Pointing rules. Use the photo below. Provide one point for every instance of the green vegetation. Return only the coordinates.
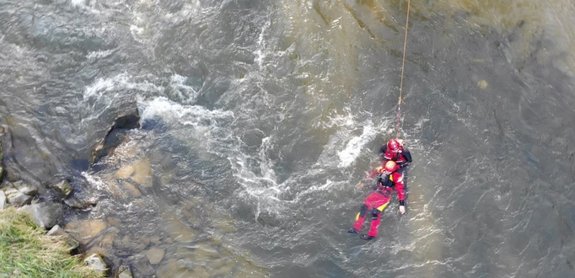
(25, 250)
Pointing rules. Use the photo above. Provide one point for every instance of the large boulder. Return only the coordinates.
(17, 198)
(21, 159)
(68, 239)
(46, 214)
(116, 135)
(19, 193)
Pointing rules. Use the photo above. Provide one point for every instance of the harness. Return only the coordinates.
(384, 184)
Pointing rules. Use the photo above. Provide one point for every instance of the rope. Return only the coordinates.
(399, 101)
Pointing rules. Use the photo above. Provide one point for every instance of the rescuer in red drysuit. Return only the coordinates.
(394, 150)
(388, 179)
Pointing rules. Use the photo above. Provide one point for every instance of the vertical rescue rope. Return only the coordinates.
(399, 101)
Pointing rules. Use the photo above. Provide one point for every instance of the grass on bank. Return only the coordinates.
(25, 250)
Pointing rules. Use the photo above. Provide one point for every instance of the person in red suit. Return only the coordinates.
(389, 179)
(394, 150)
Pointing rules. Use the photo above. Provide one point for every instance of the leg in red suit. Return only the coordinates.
(374, 204)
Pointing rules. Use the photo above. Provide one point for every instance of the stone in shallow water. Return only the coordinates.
(85, 230)
(177, 230)
(19, 193)
(177, 268)
(132, 244)
(131, 189)
(139, 172)
(155, 255)
(124, 272)
(141, 266)
(143, 172)
(125, 172)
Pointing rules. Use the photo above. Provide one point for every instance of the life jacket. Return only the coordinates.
(388, 181)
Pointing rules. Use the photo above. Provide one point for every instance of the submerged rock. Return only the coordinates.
(131, 190)
(125, 272)
(85, 230)
(139, 172)
(155, 255)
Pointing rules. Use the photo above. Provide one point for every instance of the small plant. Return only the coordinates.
(26, 251)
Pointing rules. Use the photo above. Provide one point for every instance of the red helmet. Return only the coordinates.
(394, 145)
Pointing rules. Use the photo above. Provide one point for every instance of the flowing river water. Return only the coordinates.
(258, 117)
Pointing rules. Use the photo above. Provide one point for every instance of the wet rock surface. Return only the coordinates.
(45, 214)
(64, 188)
(85, 230)
(72, 243)
(116, 135)
(19, 194)
(155, 255)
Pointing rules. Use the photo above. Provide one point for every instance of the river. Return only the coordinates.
(258, 117)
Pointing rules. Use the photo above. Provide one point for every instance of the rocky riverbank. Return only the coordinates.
(51, 204)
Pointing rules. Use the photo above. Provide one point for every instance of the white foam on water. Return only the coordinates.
(195, 116)
(213, 132)
(137, 32)
(85, 5)
(261, 45)
(208, 130)
(348, 143)
(95, 181)
(327, 185)
(183, 91)
(95, 55)
(122, 81)
(355, 145)
(260, 184)
(80, 3)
